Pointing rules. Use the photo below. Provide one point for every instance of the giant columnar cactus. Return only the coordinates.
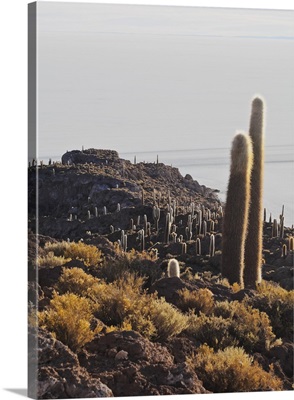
(253, 246)
(236, 210)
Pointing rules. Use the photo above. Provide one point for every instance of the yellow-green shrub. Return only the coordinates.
(124, 301)
(75, 280)
(251, 327)
(57, 248)
(278, 304)
(89, 254)
(234, 324)
(50, 260)
(231, 370)
(167, 319)
(198, 300)
(141, 263)
(68, 318)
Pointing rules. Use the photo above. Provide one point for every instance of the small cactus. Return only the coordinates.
(281, 226)
(291, 243)
(124, 241)
(145, 222)
(204, 228)
(156, 216)
(141, 236)
(184, 248)
(284, 251)
(211, 245)
(275, 229)
(167, 227)
(174, 237)
(173, 268)
(198, 247)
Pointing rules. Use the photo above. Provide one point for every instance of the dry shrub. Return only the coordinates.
(87, 253)
(141, 263)
(233, 324)
(278, 304)
(251, 327)
(212, 330)
(125, 302)
(199, 300)
(168, 321)
(68, 318)
(231, 370)
(75, 280)
(57, 248)
(50, 260)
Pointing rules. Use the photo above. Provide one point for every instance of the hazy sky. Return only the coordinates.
(136, 78)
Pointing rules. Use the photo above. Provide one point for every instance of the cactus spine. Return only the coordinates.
(253, 246)
(173, 268)
(236, 210)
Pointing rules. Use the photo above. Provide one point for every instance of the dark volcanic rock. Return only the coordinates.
(59, 372)
(284, 354)
(89, 156)
(133, 366)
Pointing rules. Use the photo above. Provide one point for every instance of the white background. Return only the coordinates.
(13, 210)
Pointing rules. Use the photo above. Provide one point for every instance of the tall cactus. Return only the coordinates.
(253, 246)
(236, 210)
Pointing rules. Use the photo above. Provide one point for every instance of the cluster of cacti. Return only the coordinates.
(243, 219)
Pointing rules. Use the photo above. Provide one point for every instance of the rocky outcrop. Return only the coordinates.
(72, 195)
(89, 156)
(133, 366)
(59, 373)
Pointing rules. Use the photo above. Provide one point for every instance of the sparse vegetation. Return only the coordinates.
(277, 303)
(231, 370)
(69, 319)
(233, 324)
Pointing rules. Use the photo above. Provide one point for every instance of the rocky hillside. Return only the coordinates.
(112, 321)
